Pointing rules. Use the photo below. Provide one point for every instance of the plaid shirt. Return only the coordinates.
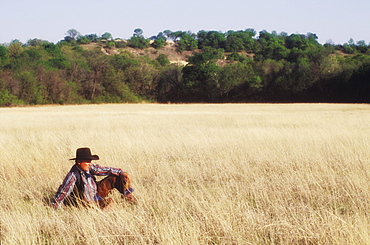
(90, 192)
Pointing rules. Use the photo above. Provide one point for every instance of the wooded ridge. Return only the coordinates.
(183, 67)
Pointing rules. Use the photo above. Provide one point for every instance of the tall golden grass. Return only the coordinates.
(203, 174)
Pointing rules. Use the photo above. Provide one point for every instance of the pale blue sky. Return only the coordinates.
(50, 20)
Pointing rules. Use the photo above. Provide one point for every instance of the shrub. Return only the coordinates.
(162, 59)
(7, 99)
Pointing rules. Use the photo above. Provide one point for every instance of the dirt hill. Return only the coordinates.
(169, 50)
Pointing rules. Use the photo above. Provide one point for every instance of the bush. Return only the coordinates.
(162, 59)
(111, 44)
(83, 40)
(159, 43)
(138, 42)
(120, 44)
(234, 56)
(7, 99)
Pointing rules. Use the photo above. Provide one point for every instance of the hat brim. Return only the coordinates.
(92, 157)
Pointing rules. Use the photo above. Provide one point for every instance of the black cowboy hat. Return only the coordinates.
(84, 154)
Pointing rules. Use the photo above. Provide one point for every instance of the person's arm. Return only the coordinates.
(64, 189)
(100, 170)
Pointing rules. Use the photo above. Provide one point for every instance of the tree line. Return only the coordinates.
(235, 66)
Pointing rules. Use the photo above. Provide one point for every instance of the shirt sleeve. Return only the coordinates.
(64, 189)
(100, 170)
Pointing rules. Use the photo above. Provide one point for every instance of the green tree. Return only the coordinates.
(35, 42)
(72, 34)
(348, 49)
(361, 46)
(159, 41)
(98, 67)
(52, 49)
(30, 89)
(114, 89)
(234, 56)
(167, 34)
(15, 49)
(107, 36)
(187, 42)
(300, 78)
(142, 80)
(330, 66)
(7, 99)
(138, 42)
(92, 37)
(271, 73)
(4, 57)
(56, 89)
(240, 82)
(170, 86)
(30, 58)
(271, 47)
(83, 40)
(201, 36)
(213, 39)
(201, 77)
(124, 60)
(138, 32)
(240, 40)
(174, 35)
(162, 59)
(58, 62)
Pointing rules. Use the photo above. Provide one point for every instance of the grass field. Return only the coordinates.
(203, 174)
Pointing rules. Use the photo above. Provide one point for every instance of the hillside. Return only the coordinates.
(169, 50)
(292, 68)
(181, 59)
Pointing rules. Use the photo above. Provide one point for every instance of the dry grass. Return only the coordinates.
(204, 174)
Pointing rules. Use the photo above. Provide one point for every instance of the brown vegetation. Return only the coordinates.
(203, 173)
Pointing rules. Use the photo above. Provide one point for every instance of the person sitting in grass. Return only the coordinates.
(80, 186)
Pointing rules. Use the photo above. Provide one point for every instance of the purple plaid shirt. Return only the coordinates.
(90, 193)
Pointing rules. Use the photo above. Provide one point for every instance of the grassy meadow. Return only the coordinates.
(203, 174)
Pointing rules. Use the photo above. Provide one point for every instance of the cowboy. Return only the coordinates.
(80, 185)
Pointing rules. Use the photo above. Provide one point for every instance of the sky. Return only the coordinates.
(332, 21)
